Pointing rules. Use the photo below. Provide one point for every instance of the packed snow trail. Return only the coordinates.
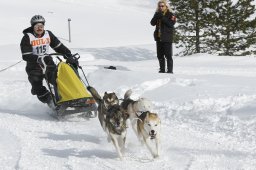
(208, 121)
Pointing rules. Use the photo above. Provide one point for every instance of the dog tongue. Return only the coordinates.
(152, 136)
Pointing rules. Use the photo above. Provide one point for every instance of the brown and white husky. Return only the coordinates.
(148, 128)
(145, 124)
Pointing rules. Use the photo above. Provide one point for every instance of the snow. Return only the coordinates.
(207, 107)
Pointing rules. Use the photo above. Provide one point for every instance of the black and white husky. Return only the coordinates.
(112, 119)
(116, 128)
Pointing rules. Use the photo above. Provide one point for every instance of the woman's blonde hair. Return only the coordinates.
(165, 3)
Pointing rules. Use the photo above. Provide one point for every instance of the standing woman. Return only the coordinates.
(164, 21)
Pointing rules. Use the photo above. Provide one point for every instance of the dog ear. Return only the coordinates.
(147, 114)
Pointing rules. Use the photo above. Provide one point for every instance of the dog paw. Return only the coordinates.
(142, 143)
(121, 158)
(156, 156)
(109, 138)
(123, 151)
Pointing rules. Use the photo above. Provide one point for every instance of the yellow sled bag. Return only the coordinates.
(69, 85)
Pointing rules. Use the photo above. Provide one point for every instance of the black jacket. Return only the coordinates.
(26, 47)
(167, 26)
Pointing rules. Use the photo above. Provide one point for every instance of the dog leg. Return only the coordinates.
(134, 127)
(157, 146)
(123, 146)
(109, 138)
(116, 144)
(140, 138)
(153, 153)
(121, 141)
(140, 133)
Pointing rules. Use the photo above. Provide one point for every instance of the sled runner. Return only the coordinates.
(69, 93)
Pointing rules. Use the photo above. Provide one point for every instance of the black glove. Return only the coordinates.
(158, 15)
(72, 60)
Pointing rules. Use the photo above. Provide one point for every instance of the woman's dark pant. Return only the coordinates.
(164, 51)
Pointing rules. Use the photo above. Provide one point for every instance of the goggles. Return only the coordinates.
(39, 25)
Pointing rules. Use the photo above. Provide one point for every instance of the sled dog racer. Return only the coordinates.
(35, 44)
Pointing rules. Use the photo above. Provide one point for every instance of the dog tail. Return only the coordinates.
(127, 94)
(95, 94)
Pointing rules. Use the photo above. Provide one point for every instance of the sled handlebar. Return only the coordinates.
(76, 56)
(64, 55)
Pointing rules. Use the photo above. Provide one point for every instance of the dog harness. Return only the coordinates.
(143, 115)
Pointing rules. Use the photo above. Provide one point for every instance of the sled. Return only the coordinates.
(69, 94)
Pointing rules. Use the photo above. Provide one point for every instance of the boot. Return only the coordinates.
(50, 103)
(170, 66)
(162, 65)
(43, 95)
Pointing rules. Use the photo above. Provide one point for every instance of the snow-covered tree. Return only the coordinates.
(215, 26)
(235, 27)
(190, 29)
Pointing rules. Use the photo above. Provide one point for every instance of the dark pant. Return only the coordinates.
(36, 76)
(164, 51)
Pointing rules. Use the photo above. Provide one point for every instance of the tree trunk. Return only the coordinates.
(197, 28)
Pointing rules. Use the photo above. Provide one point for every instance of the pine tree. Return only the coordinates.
(190, 32)
(215, 26)
(236, 29)
(207, 37)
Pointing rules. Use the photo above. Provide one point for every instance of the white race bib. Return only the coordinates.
(40, 45)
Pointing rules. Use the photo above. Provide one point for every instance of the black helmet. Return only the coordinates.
(37, 19)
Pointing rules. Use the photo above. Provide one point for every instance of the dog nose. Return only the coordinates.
(152, 132)
(117, 123)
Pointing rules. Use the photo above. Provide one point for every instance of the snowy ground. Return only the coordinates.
(207, 108)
